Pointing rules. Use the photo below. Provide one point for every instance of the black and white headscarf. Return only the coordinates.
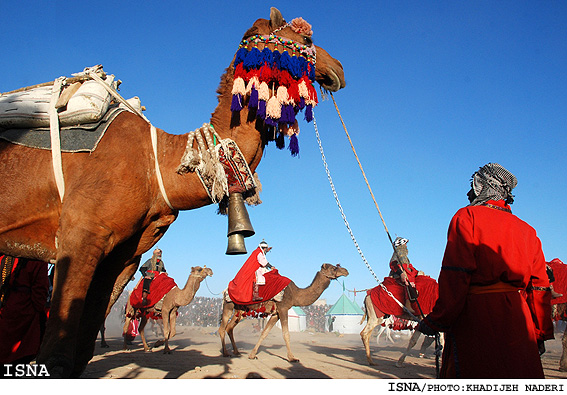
(493, 182)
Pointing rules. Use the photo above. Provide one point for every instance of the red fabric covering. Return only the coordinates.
(560, 284)
(240, 289)
(161, 284)
(426, 287)
(487, 246)
(20, 315)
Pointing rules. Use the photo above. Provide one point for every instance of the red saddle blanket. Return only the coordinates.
(161, 284)
(275, 283)
(383, 303)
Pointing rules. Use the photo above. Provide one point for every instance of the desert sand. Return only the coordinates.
(196, 354)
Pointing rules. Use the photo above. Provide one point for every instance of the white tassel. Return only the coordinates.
(264, 92)
(238, 87)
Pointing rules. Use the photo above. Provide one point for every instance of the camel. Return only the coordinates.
(115, 203)
(278, 310)
(375, 317)
(172, 300)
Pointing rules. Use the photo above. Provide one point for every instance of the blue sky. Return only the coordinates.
(434, 91)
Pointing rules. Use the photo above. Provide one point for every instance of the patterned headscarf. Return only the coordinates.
(493, 182)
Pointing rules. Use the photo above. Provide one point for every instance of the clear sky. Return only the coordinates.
(434, 91)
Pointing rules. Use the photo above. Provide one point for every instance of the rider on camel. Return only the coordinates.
(245, 285)
(403, 271)
(149, 270)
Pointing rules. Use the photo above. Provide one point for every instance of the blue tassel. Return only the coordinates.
(294, 145)
(285, 62)
(253, 101)
(301, 103)
(270, 121)
(288, 115)
(267, 56)
(261, 113)
(311, 71)
(302, 65)
(295, 67)
(276, 62)
(309, 113)
(236, 103)
(240, 56)
(252, 60)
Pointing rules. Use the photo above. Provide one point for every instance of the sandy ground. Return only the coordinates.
(196, 354)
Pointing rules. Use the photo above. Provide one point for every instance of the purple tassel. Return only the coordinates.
(301, 104)
(261, 113)
(309, 113)
(280, 141)
(294, 145)
(253, 101)
(270, 121)
(236, 103)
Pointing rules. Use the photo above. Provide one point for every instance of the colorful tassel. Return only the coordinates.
(236, 104)
(294, 145)
(273, 108)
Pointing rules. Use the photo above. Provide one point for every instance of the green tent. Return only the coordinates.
(344, 316)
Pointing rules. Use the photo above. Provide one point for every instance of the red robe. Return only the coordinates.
(491, 326)
(20, 331)
(240, 289)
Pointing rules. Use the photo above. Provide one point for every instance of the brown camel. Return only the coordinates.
(278, 310)
(172, 300)
(375, 317)
(113, 209)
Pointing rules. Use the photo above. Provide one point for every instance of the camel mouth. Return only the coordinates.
(331, 81)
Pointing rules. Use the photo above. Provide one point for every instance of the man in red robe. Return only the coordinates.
(403, 271)
(25, 286)
(494, 296)
(244, 287)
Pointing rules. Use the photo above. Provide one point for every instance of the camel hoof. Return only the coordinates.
(294, 360)
(399, 364)
(252, 357)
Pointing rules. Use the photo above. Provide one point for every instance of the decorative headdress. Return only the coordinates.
(277, 85)
(493, 182)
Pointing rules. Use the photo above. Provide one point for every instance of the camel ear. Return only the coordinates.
(276, 18)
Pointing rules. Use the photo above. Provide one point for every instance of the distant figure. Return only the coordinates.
(494, 297)
(149, 269)
(24, 288)
(403, 271)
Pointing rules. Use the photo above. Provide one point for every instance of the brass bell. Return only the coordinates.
(238, 219)
(239, 225)
(236, 245)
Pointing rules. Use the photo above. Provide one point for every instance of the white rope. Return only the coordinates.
(153, 134)
(55, 137)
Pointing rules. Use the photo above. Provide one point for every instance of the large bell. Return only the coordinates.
(238, 219)
(236, 245)
(239, 225)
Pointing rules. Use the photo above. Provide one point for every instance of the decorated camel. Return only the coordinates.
(277, 308)
(387, 299)
(163, 306)
(116, 201)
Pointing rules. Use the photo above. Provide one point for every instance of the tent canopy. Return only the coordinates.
(344, 306)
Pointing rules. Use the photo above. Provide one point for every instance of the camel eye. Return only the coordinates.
(307, 41)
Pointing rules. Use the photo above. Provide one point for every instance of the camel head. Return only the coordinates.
(329, 71)
(333, 272)
(201, 272)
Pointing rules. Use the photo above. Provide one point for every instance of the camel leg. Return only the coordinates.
(143, 322)
(227, 313)
(78, 255)
(230, 330)
(285, 333)
(272, 321)
(563, 360)
(105, 282)
(372, 322)
(412, 342)
(103, 343)
(169, 320)
(427, 341)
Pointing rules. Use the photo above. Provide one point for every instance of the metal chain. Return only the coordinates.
(337, 200)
